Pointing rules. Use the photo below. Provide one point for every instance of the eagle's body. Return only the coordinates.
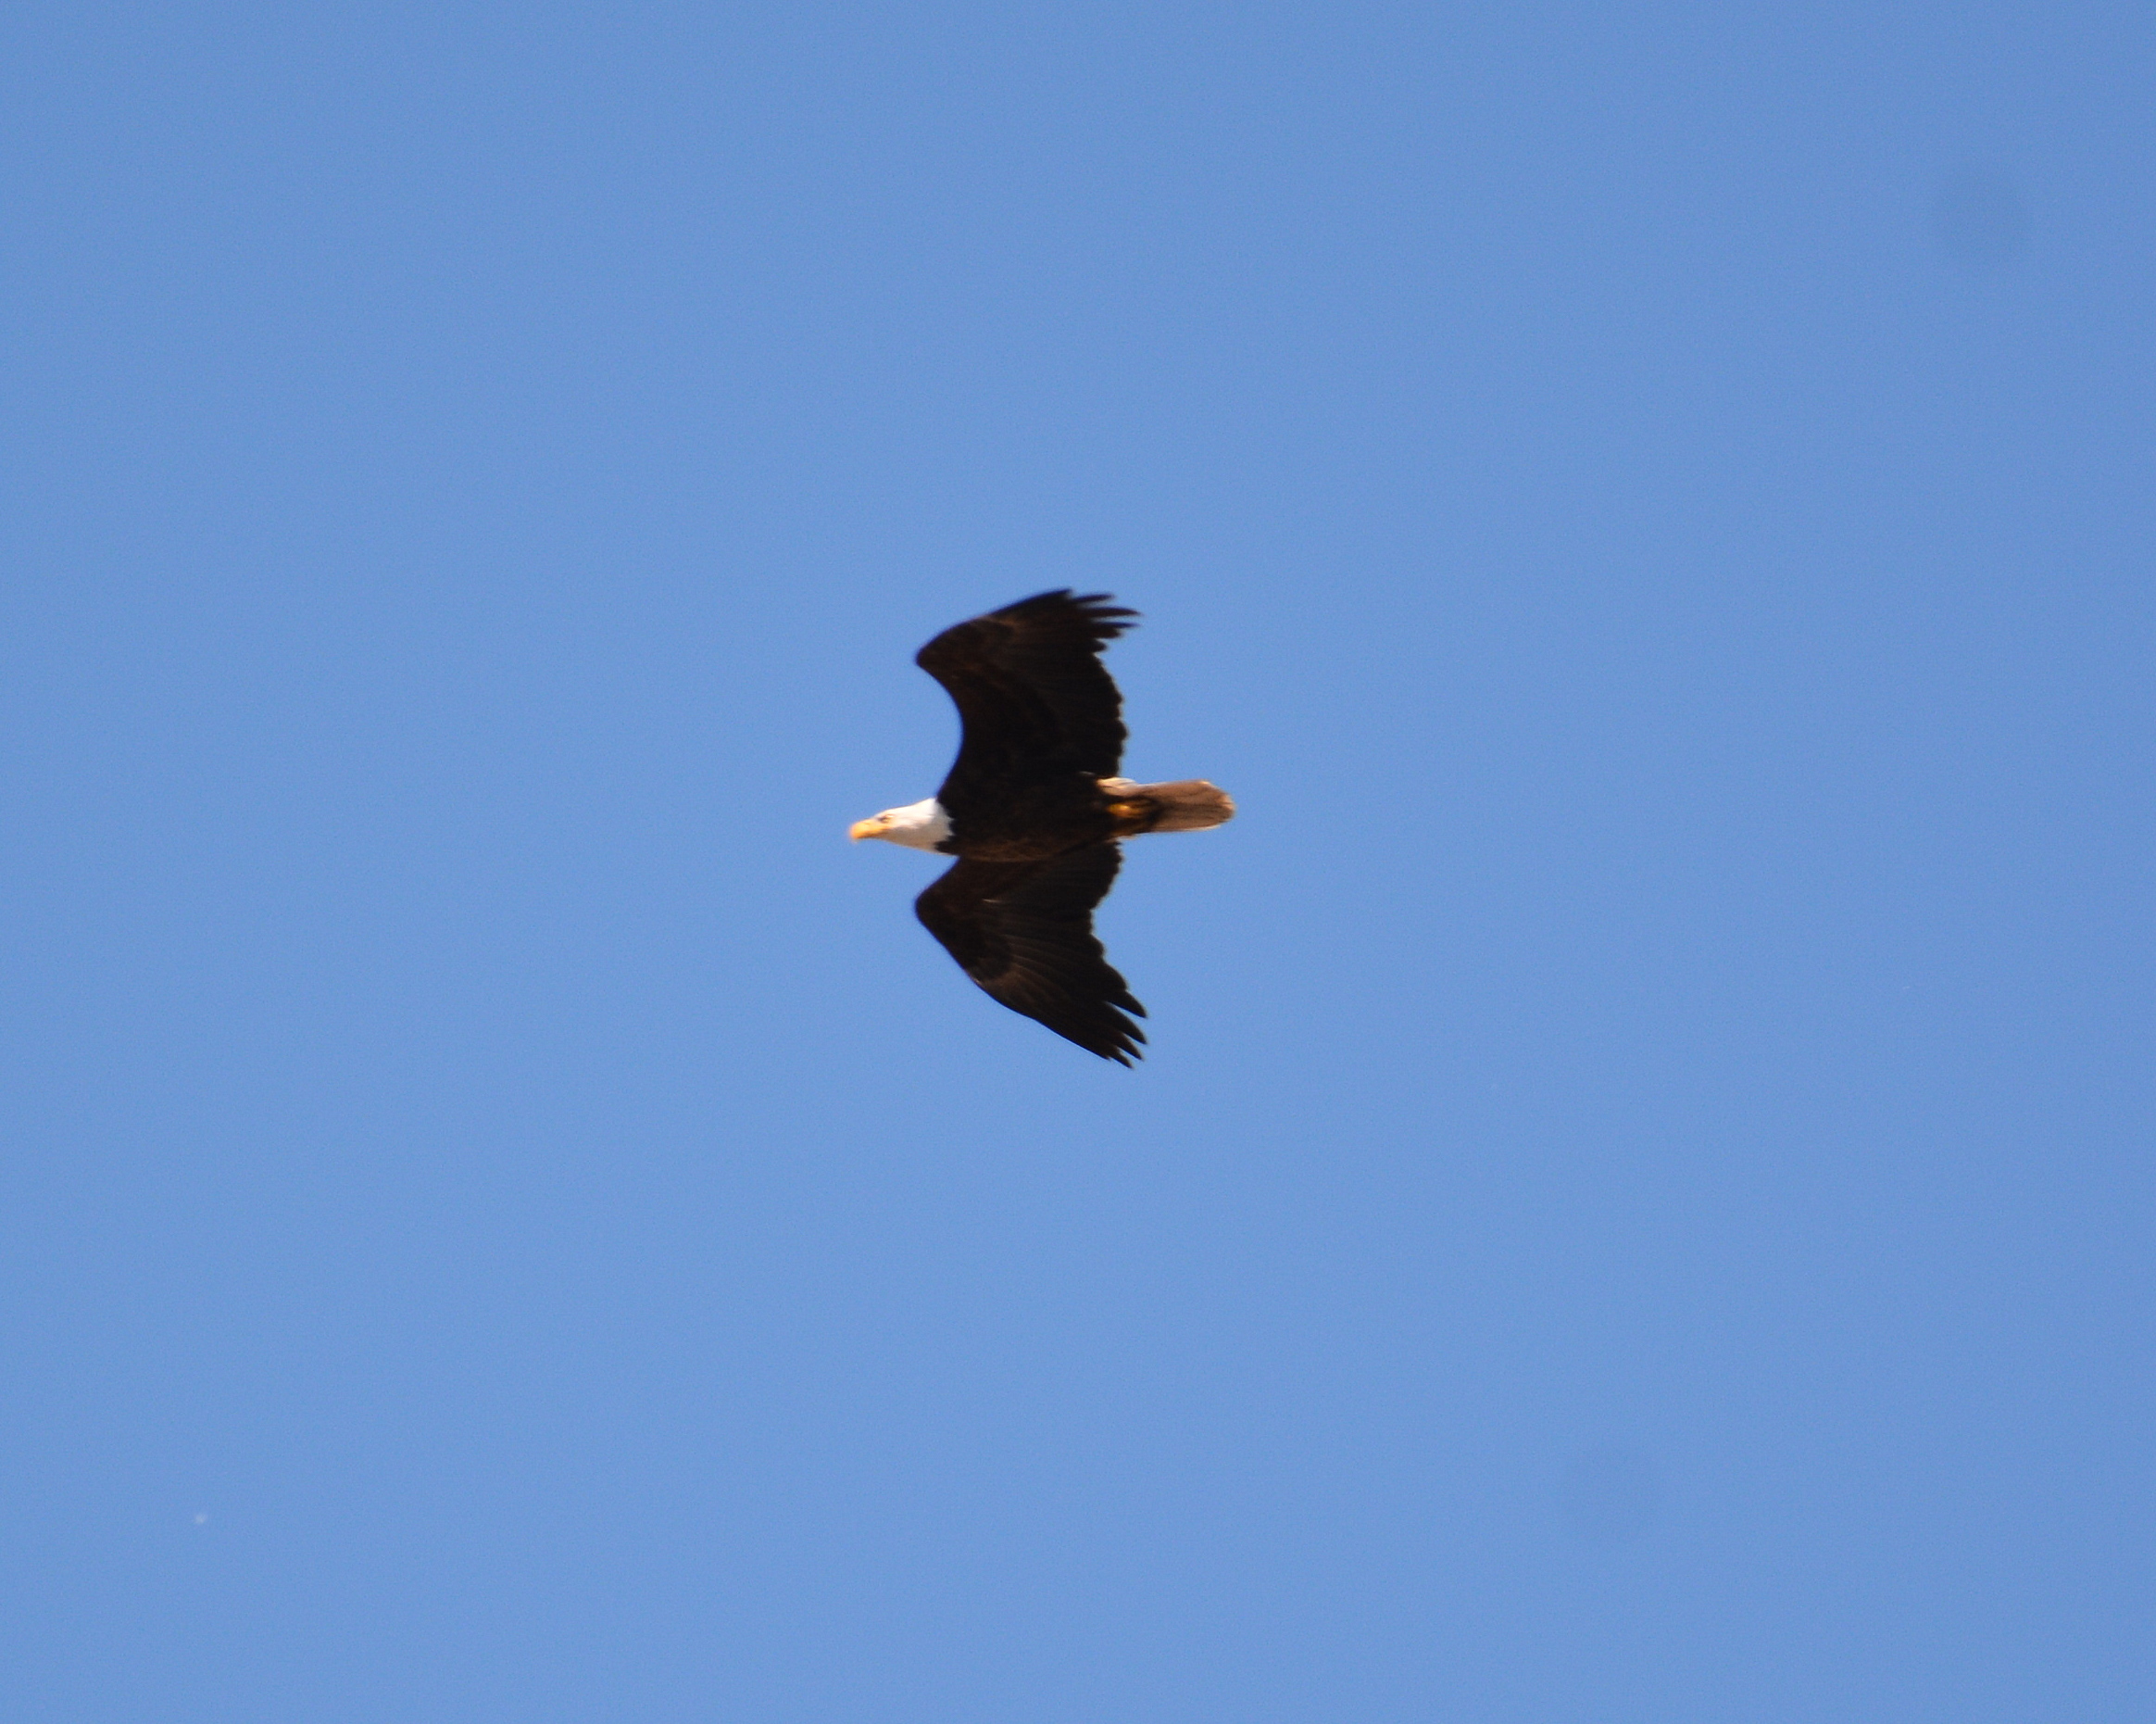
(1034, 811)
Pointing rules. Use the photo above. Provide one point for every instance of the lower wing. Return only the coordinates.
(1025, 932)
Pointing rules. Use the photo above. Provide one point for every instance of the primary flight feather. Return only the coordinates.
(1034, 811)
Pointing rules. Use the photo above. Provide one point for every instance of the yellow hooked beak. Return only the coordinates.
(864, 829)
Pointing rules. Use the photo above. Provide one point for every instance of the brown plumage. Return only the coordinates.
(1034, 811)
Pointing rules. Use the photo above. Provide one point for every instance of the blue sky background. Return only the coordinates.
(1641, 1204)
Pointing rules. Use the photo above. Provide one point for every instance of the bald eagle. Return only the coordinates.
(1032, 810)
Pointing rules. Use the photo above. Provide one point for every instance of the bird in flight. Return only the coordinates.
(1034, 811)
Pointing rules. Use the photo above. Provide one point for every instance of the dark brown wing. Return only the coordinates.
(1036, 701)
(1025, 932)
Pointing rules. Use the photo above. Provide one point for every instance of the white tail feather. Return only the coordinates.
(1186, 805)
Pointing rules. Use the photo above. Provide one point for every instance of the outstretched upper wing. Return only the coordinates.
(1036, 701)
(1025, 932)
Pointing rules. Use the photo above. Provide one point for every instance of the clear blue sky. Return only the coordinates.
(1640, 1210)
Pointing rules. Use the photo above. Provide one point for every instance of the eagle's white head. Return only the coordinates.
(919, 826)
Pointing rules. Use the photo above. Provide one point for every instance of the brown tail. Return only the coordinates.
(1187, 805)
